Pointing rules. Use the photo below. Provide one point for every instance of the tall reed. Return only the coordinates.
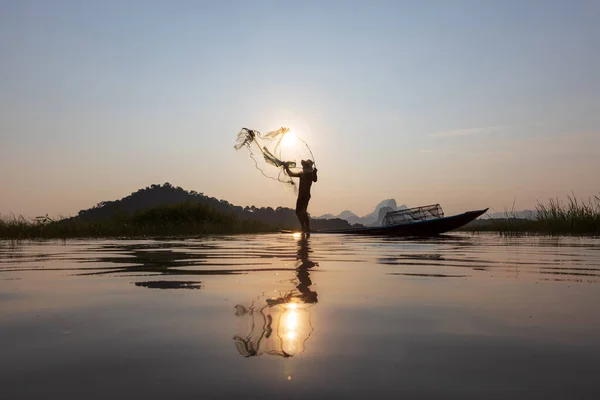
(573, 217)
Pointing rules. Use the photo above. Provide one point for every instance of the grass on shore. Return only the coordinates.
(172, 220)
(575, 217)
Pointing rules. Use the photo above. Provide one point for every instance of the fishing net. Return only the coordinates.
(270, 150)
(410, 215)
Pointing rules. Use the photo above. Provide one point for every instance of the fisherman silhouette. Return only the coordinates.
(307, 177)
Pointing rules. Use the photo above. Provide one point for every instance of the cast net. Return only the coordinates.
(272, 150)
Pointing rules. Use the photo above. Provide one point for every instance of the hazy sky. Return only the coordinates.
(470, 104)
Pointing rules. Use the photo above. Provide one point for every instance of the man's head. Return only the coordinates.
(307, 164)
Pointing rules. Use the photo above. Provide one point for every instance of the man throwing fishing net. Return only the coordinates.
(269, 145)
(307, 176)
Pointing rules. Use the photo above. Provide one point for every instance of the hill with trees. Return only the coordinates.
(167, 195)
(160, 210)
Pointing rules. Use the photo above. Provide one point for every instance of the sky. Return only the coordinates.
(470, 104)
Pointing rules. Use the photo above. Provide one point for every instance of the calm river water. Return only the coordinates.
(284, 316)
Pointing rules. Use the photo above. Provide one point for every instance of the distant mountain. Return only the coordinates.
(347, 214)
(382, 212)
(327, 216)
(381, 209)
(160, 195)
(373, 218)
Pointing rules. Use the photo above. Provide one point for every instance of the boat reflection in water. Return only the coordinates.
(280, 326)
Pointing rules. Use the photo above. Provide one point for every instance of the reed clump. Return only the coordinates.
(573, 217)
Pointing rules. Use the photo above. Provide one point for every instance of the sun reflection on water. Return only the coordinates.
(277, 329)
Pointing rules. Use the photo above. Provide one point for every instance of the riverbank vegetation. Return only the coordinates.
(169, 211)
(573, 217)
(159, 210)
(184, 219)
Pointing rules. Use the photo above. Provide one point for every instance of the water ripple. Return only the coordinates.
(437, 257)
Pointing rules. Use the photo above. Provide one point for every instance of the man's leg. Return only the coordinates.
(300, 207)
(300, 217)
(306, 219)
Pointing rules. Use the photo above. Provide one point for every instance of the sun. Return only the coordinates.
(289, 139)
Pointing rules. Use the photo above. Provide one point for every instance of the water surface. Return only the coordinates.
(283, 316)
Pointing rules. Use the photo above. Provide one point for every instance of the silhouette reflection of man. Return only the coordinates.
(303, 267)
(264, 337)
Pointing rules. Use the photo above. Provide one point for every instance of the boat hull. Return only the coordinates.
(422, 228)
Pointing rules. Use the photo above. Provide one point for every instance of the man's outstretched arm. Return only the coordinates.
(290, 173)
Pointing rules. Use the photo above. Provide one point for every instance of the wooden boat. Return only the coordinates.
(418, 221)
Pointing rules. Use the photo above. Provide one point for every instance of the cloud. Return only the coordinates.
(468, 132)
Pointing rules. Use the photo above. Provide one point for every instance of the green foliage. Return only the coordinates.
(169, 220)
